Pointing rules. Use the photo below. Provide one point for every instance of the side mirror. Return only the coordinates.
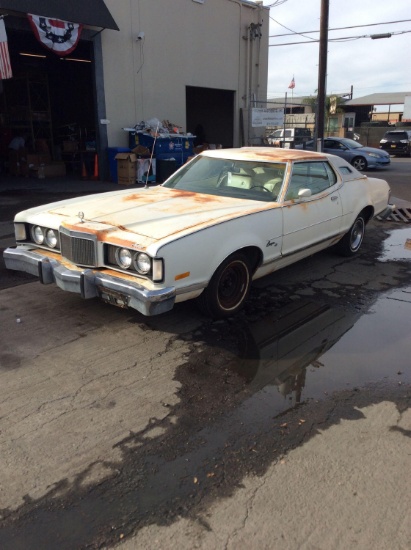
(304, 193)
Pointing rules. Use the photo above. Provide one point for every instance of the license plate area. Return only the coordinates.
(113, 297)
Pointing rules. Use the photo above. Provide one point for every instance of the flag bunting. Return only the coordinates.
(61, 37)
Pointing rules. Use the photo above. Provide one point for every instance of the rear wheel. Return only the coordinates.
(352, 241)
(228, 288)
(359, 163)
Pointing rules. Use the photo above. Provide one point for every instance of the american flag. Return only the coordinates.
(5, 67)
(292, 84)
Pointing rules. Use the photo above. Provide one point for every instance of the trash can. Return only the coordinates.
(112, 152)
(164, 169)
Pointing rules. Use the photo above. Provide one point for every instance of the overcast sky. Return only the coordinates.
(368, 65)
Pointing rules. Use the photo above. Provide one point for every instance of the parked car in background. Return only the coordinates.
(289, 135)
(223, 219)
(397, 142)
(353, 152)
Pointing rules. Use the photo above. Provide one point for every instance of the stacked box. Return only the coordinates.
(126, 168)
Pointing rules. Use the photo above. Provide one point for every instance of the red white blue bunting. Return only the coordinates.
(59, 36)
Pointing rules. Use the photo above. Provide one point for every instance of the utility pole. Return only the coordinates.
(322, 74)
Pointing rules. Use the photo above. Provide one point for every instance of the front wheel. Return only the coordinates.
(352, 241)
(228, 288)
(359, 163)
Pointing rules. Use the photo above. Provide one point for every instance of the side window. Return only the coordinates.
(316, 176)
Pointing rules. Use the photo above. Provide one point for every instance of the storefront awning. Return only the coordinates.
(86, 12)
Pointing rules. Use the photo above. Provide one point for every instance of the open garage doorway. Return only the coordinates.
(50, 101)
(210, 115)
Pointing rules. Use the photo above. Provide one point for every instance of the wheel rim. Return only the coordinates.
(233, 285)
(357, 234)
(359, 164)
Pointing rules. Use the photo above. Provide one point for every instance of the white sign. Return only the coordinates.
(267, 117)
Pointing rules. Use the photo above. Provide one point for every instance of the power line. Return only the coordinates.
(334, 29)
(340, 39)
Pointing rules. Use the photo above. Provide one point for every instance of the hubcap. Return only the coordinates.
(233, 285)
(357, 234)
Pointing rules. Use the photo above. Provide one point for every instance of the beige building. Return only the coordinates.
(200, 64)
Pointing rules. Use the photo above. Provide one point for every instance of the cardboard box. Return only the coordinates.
(52, 170)
(141, 152)
(126, 168)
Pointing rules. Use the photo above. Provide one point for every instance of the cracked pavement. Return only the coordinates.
(286, 427)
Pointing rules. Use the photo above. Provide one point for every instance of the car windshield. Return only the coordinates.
(230, 178)
(351, 144)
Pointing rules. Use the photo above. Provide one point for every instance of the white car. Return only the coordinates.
(225, 218)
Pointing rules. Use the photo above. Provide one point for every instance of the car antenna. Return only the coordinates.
(151, 157)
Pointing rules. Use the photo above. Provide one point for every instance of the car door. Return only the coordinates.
(335, 147)
(317, 216)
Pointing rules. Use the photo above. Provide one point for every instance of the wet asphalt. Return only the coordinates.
(278, 411)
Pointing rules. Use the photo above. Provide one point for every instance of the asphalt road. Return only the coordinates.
(398, 175)
(287, 427)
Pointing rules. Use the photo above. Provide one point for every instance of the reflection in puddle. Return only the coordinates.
(397, 246)
(314, 350)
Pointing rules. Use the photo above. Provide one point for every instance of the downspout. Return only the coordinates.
(246, 96)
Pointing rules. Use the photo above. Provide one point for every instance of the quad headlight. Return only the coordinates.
(142, 263)
(37, 234)
(44, 236)
(135, 262)
(51, 238)
(124, 258)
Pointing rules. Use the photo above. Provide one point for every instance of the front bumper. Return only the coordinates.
(90, 283)
(379, 162)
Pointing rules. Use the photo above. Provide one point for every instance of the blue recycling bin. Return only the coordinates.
(112, 152)
(172, 143)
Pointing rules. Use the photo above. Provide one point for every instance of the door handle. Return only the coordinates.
(334, 198)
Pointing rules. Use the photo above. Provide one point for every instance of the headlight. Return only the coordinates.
(142, 263)
(51, 238)
(374, 155)
(123, 258)
(403, 141)
(383, 141)
(37, 234)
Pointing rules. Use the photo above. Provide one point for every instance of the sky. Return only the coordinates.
(369, 66)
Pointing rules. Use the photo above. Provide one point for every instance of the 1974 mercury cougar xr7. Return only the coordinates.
(225, 218)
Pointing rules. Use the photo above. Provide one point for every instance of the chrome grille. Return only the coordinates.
(78, 250)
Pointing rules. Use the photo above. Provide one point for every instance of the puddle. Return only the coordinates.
(397, 246)
(314, 350)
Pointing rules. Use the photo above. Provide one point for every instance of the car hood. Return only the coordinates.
(142, 216)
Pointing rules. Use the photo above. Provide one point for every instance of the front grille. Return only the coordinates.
(78, 250)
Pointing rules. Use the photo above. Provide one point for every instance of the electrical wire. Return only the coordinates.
(292, 32)
(339, 39)
(337, 28)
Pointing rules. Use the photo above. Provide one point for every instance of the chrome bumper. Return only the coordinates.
(90, 283)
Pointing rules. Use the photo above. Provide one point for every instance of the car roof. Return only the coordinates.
(264, 154)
